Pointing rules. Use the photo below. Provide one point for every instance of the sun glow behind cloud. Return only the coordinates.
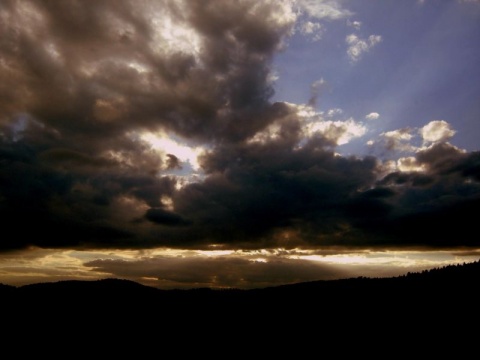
(167, 144)
(154, 266)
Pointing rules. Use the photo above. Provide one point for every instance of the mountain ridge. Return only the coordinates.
(432, 296)
(440, 273)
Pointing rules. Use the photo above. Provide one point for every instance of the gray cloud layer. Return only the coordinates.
(217, 272)
(80, 82)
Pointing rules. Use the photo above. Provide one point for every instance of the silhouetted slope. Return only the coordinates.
(106, 287)
(6, 290)
(432, 309)
(453, 289)
(431, 291)
(464, 276)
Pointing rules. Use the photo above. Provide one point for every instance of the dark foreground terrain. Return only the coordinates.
(448, 290)
(433, 310)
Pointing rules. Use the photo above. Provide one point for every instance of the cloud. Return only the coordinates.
(174, 269)
(441, 156)
(217, 272)
(313, 29)
(355, 24)
(372, 116)
(113, 105)
(410, 163)
(274, 193)
(442, 194)
(326, 9)
(398, 140)
(159, 64)
(334, 112)
(173, 162)
(164, 217)
(337, 132)
(437, 130)
(144, 125)
(253, 269)
(403, 140)
(323, 126)
(358, 46)
(180, 152)
(400, 134)
(317, 88)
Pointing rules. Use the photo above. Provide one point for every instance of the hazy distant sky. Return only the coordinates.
(237, 143)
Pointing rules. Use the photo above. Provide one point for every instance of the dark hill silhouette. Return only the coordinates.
(6, 290)
(105, 287)
(449, 292)
(461, 277)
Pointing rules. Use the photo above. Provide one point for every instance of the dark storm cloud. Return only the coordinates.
(435, 207)
(406, 178)
(102, 68)
(271, 188)
(60, 197)
(161, 216)
(275, 195)
(173, 162)
(81, 81)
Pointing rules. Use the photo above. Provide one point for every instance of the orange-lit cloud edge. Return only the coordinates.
(181, 269)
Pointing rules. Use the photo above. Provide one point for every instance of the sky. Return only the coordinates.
(242, 143)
